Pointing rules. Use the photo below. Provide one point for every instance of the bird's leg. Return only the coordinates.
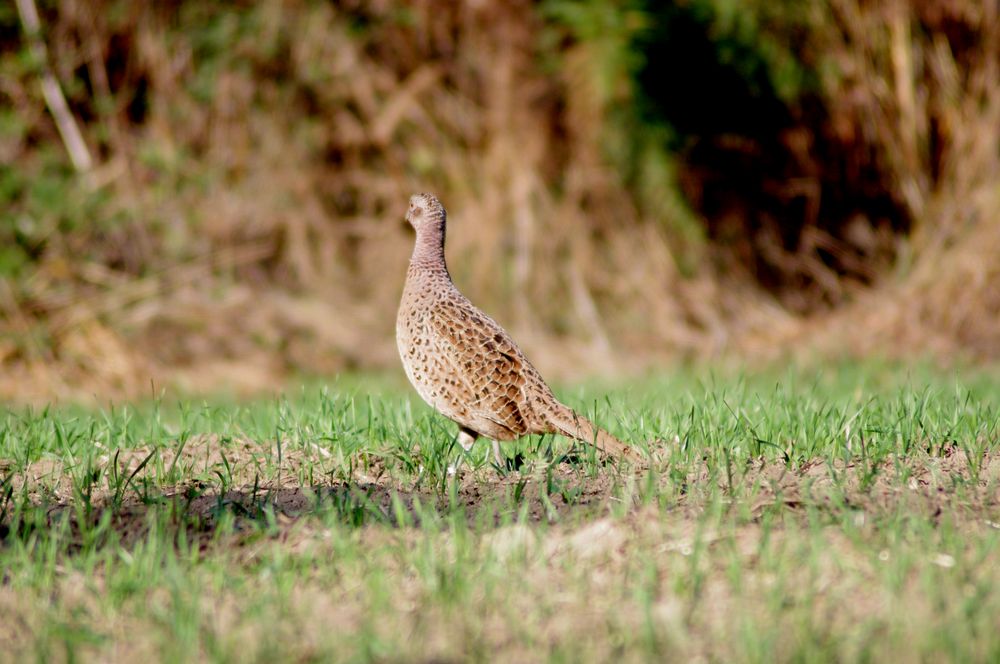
(466, 438)
(496, 453)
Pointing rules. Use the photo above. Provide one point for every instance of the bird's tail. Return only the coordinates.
(570, 424)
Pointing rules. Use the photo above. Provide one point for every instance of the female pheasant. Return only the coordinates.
(464, 364)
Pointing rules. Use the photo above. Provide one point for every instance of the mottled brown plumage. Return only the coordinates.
(463, 363)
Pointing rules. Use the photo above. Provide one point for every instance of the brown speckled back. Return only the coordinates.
(462, 362)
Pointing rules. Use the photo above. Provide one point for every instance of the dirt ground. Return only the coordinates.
(949, 481)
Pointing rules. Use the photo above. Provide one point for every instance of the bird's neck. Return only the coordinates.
(428, 250)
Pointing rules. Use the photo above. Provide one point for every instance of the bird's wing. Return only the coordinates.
(483, 360)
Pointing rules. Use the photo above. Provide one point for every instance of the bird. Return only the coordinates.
(464, 364)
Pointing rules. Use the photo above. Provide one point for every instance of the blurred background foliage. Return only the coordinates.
(628, 182)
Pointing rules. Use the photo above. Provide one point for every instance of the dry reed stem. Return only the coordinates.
(76, 147)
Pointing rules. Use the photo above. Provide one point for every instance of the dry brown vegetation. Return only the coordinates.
(917, 84)
(252, 165)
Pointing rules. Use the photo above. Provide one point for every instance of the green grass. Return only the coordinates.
(851, 513)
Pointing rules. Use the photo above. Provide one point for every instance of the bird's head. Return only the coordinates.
(425, 210)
